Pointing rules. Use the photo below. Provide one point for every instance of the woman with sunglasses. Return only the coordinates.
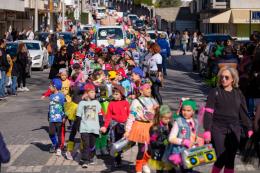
(223, 124)
(59, 62)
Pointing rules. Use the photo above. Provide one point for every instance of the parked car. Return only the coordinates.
(38, 54)
(11, 49)
(139, 25)
(216, 37)
(67, 36)
(86, 27)
(113, 32)
(132, 18)
(100, 12)
(42, 36)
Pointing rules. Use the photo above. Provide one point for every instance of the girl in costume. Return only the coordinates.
(142, 113)
(184, 133)
(159, 133)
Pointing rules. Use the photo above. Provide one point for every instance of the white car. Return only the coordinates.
(38, 53)
(153, 35)
(110, 32)
(132, 18)
(100, 12)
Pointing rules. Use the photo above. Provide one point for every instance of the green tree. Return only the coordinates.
(168, 3)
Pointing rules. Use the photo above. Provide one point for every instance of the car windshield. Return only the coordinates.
(33, 46)
(11, 48)
(153, 36)
(113, 33)
(133, 17)
(101, 10)
(215, 38)
(139, 22)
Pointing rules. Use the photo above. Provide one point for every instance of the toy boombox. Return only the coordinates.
(120, 146)
(198, 156)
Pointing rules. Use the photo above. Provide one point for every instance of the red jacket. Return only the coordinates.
(117, 111)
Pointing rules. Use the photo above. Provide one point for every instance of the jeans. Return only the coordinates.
(164, 65)
(88, 141)
(14, 85)
(184, 48)
(22, 78)
(2, 83)
(50, 59)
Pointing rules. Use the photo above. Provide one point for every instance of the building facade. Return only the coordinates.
(227, 16)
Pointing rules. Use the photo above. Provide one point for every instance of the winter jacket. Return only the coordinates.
(4, 153)
(56, 66)
(165, 47)
(22, 61)
(15, 69)
(4, 65)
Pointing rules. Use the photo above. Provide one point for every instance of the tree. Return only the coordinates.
(168, 3)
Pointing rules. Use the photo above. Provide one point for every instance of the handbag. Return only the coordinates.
(198, 156)
(147, 114)
(120, 146)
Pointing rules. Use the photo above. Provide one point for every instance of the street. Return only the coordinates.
(23, 122)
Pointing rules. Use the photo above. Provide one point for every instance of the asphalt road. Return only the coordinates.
(23, 122)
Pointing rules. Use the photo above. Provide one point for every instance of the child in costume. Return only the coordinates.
(159, 133)
(117, 114)
(184, 133)
(88, 113)
(138, 124)
(56, 115)
(123, 81)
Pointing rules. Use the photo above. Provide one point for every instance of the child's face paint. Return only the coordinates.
(91, 94)
(63, 76)
(187, 112)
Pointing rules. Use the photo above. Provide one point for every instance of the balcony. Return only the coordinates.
(219, 4)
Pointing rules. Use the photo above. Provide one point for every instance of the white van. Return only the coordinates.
(153, 35)
(100, 12)
(110, 32)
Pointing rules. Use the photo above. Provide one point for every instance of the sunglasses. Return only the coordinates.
(224, 77)
(64, 49)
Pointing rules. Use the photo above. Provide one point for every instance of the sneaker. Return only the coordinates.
(146, 169)
(92, 161)
(58, 152)
(68, 155)
(26, 89)
(20, 89)
(84, 165)
(98, 152)
(104, 151)
(52, 149)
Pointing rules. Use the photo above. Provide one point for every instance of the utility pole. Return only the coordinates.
(63, 16)
(36, 16)
(51, 14)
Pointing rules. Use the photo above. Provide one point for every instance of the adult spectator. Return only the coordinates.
(185, 41)
(165, 51)
(4, 66)
(52, 48)
(155, 71)
(4, 152)
(72, 47)
(223, 122)
(59, 62)
(30, 34)
(22, 61)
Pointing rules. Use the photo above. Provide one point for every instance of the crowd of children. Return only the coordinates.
(105, 96)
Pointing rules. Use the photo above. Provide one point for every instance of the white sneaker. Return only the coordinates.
(26, 89)
(68, 155)
(20, 89)
(146, 169)
(58, 152)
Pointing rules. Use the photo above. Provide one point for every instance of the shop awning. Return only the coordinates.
(242, 16)
(220, 18)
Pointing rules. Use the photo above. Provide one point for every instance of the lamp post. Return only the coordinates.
(63, 15)
(36, 16)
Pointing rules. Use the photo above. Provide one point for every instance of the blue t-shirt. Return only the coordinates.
(56, 111)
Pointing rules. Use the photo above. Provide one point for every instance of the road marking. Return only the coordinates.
(24, 169)
(16, 151)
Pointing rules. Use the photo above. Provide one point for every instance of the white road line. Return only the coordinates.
(16, 151)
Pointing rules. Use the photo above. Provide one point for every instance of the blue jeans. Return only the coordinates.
(50, 59)
(184, 48)
(2, 83)
(164, 65)
(14, 85)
